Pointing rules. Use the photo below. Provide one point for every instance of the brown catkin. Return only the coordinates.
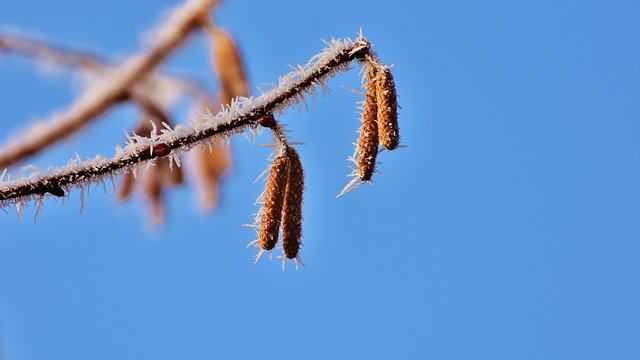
(227, 63)
(126, 186)
(153, 188)
(387, 109)
(273, 203)
(173, 174)
(214, 163)
(292, 213)
(368, 140)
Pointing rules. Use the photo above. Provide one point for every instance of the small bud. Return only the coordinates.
(161, 149)
(368, 140)
(267, 121)
(56, 190)
(273, 203)
(152, 181)
(292, 214)
(387, 109)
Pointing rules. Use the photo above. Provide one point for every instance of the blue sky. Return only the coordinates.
(508, 228)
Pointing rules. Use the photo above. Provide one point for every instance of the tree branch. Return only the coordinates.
(111, 89)
(243, 113)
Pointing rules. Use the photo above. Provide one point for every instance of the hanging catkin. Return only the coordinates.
(387, 109)
(368, 140)
(273, 203)
(292, 213)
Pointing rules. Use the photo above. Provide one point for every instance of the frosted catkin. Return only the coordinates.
(387, 109)
(368, 140)
(273, 203)
(292, 213)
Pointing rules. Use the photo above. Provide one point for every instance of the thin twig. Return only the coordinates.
(93, 64)
(49, 53)
(111, 89)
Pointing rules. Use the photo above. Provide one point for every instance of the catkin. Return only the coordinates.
(273, 203)
(387, 109)
(368, 140)
(214, 163)
(153, 189)
(126, 186)
(227, 63)
(292, 213)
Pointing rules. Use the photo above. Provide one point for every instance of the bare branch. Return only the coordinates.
(111, 89)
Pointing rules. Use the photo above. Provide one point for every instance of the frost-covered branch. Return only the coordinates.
(242, 114)
(111, 89)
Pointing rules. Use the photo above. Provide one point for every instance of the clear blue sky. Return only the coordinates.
(509, 228)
